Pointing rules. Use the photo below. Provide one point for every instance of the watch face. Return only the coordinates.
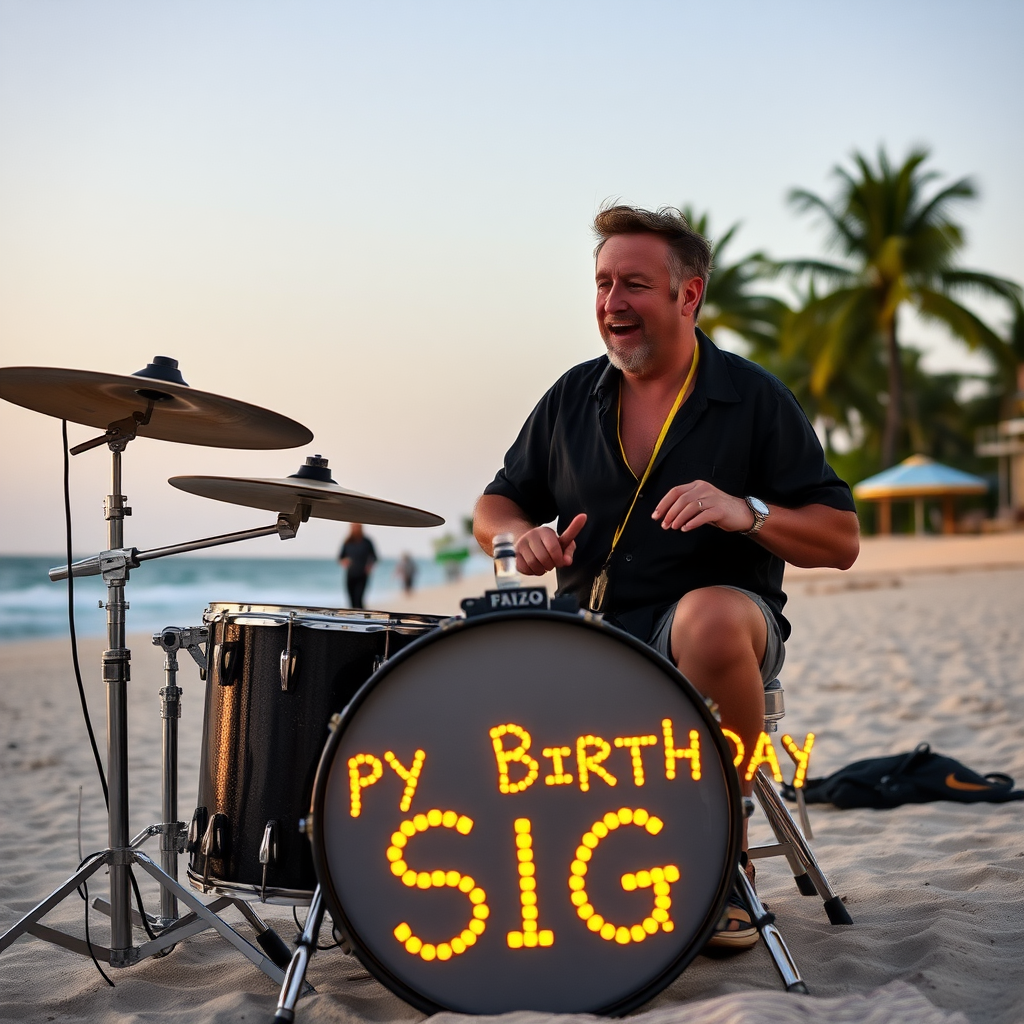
(758, 505)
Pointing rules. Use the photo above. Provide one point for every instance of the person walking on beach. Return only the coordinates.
(406, 572)
(722, 475)
(358, 557)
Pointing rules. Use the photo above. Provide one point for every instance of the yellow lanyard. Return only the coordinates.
(597, 592)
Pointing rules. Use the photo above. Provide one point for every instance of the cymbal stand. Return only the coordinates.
(114, 565)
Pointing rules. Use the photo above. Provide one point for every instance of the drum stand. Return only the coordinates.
(114, 565)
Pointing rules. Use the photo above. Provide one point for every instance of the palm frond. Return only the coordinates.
(965, 325)
(981, 283)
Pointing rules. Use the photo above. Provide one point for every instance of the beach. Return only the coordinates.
(922, 641)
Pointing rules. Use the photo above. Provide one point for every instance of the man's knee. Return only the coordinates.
(718, 625)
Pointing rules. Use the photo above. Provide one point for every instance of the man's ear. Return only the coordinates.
(690, 293)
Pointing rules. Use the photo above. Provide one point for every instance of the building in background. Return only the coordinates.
(1005, 442)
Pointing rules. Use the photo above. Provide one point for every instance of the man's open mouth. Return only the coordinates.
(620, 328)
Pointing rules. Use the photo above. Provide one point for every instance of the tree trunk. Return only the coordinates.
(894, 411)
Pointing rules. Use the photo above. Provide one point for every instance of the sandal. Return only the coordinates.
(735, 931)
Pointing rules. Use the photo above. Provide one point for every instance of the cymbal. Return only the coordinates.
(312, 485)
(176, 412)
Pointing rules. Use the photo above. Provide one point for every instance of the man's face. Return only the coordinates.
(642, 325)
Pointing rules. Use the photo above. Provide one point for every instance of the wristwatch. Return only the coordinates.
(761, 513)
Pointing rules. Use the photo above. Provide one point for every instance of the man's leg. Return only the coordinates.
(718, 638)
(718, 642)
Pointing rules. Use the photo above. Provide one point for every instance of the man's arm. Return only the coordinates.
(812, 536)
(538, 548)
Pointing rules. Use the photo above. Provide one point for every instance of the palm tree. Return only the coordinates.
(899, 245)
(731, 303)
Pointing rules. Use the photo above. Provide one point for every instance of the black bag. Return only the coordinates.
(913, 778)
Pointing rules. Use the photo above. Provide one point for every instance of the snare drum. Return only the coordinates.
(526, 811)
(275, 676)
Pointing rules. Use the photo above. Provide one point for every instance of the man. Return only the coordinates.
(726, 478)
(358, 557)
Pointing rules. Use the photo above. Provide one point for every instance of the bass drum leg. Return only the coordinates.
(295, 975)
(772, 937)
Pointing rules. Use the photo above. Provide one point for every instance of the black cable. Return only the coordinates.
(138, 901)
(88, 941)
(71, 616)
(336, 944)
(83, 891)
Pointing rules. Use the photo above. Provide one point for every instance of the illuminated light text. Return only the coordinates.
(506, 757)
(531, 935)
(737, 745)
(764, 753)
(588, 764)
(437, 879)
(560, 777)
(357, 781)
(801, 757)
(673, 754)
(658, 878)
(410, 776)
(633, 745)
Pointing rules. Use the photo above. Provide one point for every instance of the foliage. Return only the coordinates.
(731, 303)
(898, 244)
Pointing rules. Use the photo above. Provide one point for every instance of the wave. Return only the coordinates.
(175, 591)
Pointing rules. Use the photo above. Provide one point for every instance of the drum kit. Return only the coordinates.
(447, 788)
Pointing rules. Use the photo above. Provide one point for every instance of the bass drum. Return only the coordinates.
(526, 811)
(275, 675)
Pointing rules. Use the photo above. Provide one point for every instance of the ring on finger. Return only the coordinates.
(700, 504)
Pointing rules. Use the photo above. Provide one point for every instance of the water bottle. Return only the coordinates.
(505, 575)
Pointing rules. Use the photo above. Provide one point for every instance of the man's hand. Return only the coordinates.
(696, 504)
(540, 549)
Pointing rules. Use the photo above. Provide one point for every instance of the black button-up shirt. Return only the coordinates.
(741, 430)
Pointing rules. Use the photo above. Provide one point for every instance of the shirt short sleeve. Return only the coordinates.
(525, 476)
(793, 469)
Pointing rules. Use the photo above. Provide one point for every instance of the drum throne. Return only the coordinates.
(790, 843)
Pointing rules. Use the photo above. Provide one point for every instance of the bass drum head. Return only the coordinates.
(581, 879)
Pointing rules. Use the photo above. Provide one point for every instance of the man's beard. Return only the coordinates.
(637, 359)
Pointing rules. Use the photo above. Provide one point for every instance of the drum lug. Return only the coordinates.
(196, 829)
(306, 826)
(289, 668)
(225, 657)
(268, 854)
(215, 841)
(334, 722)
(289, 658)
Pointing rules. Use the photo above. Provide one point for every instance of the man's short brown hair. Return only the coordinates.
(689, 251)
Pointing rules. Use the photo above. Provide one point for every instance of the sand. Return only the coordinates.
(916, 643)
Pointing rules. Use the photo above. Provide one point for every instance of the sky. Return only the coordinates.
(374, 218)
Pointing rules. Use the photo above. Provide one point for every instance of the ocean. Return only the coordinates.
(173, 591)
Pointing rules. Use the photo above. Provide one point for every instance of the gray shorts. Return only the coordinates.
(774, 650)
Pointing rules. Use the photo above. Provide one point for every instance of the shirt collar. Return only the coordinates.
(712, 376)
(714, 370)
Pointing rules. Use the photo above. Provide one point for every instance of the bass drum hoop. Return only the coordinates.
(717, 907)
